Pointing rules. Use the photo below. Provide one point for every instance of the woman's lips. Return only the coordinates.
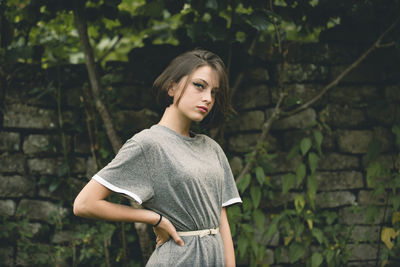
(202, 109)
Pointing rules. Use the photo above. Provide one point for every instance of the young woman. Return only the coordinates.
(182, 179)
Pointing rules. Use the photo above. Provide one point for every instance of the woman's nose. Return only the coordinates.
(207, 96)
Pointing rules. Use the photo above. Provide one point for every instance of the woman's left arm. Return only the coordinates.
(227, 240)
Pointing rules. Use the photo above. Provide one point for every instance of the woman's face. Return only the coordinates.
(199, 97)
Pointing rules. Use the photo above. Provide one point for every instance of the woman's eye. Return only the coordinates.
(198, 85)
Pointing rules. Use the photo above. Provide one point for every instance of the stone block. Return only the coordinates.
(342, 180)
(381, 112)
(268, 257)
(7, 207)
(27, 117)
(246, 121)
(130, 96)
(363, 251)
(39, 143)
(63, 237)
(357, 215)
(67, 189)
(252, 97)
(14, 163)
(9, 141)
(392, 92)
(51, 166)
(278, 201)
(236, 164)
(280, 164)
(137, 120)
(301, 120)
(354, 141)
(244, 143)
(325, 53)
(385, 137)
(292, 138)
(299, 73)
(353, 96)
(259, 74)
(16, 186)
(82, 143)
(342, 116)
(335, 199)
(368, 198)
(7, 256)
(299, 93)
(363, 233)
(39, 210)
(336, 161)
(364, 73)
(388, 161)
(277, 181)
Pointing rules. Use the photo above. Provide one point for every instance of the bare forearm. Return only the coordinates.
(102, 209)
(227, 240)
(91, 203)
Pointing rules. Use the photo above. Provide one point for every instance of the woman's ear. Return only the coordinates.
(171, 89)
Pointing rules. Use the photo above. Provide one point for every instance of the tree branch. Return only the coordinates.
(375, 45)
(95, 79)
(110, 49)
(108, 124)
(276, 113)
(265, 130)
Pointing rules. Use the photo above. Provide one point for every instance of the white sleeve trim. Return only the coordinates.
(232, 201)
(117, 189)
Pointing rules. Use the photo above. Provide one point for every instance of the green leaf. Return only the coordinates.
(396, 131)
(242, 244)
(305, 145)
(299, 203)
(259, 219)
(318, 140)
(396, 202)
(300, 173)
(260, 175)
(247, 204)
(212, 4)
(330, 254)
(289, 181)
(259, 21)
(296, 251)
(244, 183)
(313, 161)
(374, 170)
(255, 193)
(312, 185)
(293, 152)
(316, 259)
(273, 227)
(318, 234)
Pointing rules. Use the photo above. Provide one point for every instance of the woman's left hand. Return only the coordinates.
(164, 231)
(162, 236)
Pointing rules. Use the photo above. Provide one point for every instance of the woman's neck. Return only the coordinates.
(172, 120)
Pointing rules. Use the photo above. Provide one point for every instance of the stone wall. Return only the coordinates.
(363, 107)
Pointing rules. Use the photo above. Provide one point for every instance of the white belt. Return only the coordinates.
(200, 233)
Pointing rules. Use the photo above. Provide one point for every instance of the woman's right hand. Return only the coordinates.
(166, 230)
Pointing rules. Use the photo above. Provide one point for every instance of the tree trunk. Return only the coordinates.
(144, 239)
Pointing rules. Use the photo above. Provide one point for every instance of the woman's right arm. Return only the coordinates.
(91, 203)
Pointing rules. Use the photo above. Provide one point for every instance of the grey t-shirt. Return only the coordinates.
(186, 179)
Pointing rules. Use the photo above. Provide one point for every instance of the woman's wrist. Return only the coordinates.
(159, 221)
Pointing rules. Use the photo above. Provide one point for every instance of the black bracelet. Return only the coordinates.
(158, 221)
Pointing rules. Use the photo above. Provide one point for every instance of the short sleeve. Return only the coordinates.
(128, 173)
(230, 194)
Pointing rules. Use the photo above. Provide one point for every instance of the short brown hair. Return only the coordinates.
(184, 65)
